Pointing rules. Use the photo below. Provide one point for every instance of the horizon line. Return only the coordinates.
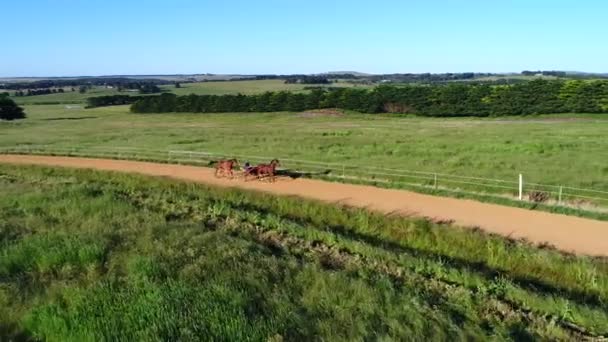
(291, 74)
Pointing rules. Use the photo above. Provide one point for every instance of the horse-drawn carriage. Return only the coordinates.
(225, 168)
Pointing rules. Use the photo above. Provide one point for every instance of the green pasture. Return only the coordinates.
(564, 150)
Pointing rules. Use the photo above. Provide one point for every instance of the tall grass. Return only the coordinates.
(90, 256)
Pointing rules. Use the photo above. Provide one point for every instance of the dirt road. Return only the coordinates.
(568, 233)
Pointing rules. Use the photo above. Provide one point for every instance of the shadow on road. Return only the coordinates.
(293, 174)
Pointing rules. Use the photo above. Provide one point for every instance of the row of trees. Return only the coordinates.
(304, 79)
(425, 77)
(144, 88)
(33, 92)
(299, 76)
(545, 73)
(111, 100)
(534, 97)
(148, 88)
(116, 82)
(9, 110)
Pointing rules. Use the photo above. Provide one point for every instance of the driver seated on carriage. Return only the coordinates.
(247, 167)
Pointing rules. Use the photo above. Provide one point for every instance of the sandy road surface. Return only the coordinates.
(567, 233)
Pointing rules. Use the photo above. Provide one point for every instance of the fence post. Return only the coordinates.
(435, 185)
(559, 199)
(521, 186)
(343, 167)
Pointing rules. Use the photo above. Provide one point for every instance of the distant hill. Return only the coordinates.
(582, 73)
(397, 77)
(354, 73)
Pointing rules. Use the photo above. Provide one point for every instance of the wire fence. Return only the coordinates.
(559, 195)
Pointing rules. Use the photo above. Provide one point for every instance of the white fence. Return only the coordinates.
(560, 195)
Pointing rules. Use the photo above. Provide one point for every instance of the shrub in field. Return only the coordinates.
(9, 110)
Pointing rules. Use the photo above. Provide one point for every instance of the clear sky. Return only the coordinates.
(110, 37)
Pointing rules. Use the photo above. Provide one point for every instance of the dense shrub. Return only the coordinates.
(149, 89)
(9, 110)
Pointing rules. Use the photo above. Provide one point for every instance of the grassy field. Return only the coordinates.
(200, 88)
(243, 87)
(97, 256)
(560, 149)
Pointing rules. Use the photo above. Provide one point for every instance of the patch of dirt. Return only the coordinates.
(333, 112)
(525, 121)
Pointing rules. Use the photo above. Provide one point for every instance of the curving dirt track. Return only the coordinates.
(568, 233)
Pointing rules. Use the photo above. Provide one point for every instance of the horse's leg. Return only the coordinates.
(217, 170)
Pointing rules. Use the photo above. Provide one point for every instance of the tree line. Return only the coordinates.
(545, 73)
(116, 82)
(33, 92)
(304, 79)
(143, 88)
(111, 100)
(534, 97)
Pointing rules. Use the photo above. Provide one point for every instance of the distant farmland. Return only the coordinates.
(199, 88)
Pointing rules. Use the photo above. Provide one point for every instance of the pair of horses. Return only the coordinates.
(225, 168)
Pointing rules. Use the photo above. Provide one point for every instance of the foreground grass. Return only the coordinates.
(90, 256)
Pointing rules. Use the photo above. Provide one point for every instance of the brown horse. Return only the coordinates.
(264, 170)
(224, 167)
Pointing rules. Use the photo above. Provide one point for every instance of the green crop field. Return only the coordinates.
(199, 88)
(555, 149)
(88, 256)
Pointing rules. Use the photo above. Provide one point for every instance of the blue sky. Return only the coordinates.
(80, 37)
